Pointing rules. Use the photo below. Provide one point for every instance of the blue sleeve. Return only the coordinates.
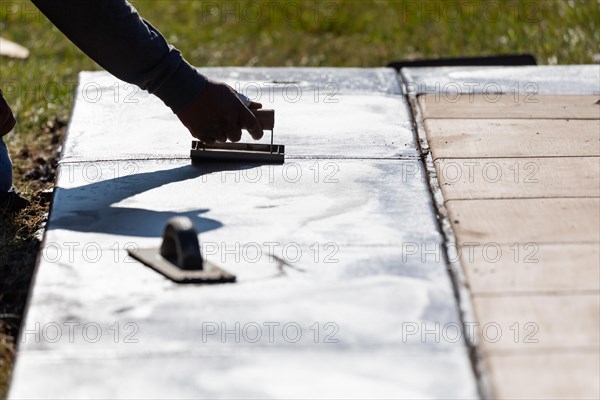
(113, 34)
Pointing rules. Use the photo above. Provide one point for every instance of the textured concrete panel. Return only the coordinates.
(560, 220)
(495, 106)
(475, 138)
(543, 79)
(314, 113)
(363, 256)
(498, 178)
(528, 247)
(539, 322)
(532, 268)
(548, 374)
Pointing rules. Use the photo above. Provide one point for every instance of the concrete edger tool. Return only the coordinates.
(240, 152)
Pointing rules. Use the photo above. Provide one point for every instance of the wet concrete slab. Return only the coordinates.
(210, 376)
(357, 202)
(519, 81)
(354, 251)
(141, 314)
(345, 251)
(343, 332)
(315, 110)
(303, 223)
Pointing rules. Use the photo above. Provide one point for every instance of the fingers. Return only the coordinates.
(220, 134)
(229, 130)
(208, 136)
(233, 132)
(235, 135)
(219, 114)
(249, 122)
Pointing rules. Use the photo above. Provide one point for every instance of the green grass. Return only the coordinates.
(296, 33)
(302, 33)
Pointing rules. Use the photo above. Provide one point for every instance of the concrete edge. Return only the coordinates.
(462, 291)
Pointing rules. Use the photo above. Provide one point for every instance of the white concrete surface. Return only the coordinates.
(315, 111)
(357, 231)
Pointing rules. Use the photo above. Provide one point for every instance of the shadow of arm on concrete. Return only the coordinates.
(90, 207)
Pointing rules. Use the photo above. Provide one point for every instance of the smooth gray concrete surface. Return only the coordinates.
(362, 268)
(520, 81)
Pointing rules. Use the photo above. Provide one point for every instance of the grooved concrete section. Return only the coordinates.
(520, 182)
(349, 212)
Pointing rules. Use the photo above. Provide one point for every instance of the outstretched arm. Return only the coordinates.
(112, 33)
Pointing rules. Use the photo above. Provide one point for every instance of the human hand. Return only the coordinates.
(219, 115)
(7, 120)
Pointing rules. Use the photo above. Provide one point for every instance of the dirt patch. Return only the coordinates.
(20, 236)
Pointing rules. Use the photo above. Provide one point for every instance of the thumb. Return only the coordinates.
(249, 122)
